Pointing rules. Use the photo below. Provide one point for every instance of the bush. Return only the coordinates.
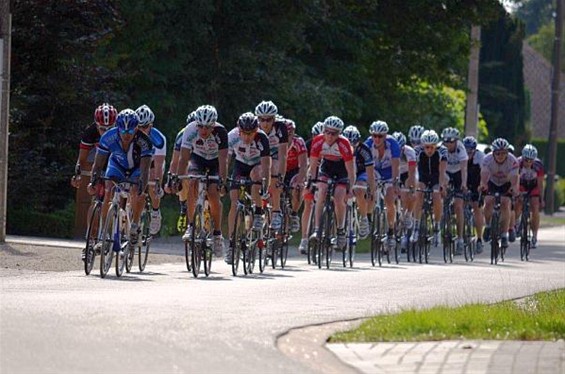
(57, 224)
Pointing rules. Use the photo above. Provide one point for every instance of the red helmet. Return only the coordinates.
(105, 115)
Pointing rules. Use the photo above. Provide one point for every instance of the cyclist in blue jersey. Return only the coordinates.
(128, 153)
(146, 120)
(386, 156)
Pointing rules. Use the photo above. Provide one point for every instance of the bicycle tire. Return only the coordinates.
(283, 251)
(197, 241)
(106, 252)
(252, 253)
(92, 238)
(330, 233)
(494, 245)
(375, 239)
(320, 240)
(524, 236)
(262, 254)
(382, 230)
(446, 234)
(146, 239)
(348, 228)
(237, 237)
(124, 246)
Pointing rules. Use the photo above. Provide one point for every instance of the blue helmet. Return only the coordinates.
(470, 142)
(127, 120)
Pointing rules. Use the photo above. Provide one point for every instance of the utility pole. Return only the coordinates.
(5, 46)
(471, 110)
(552, 140)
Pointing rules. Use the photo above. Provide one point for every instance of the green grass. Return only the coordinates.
(538, 317)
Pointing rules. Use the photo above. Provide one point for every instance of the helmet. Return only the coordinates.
(206, 115)
(279, 118)
(415, 133)
(248, 122)
(290, 125)
(511, 148)
(378, 127)
(470, 142)
(429, 137)
(334, 123)
(450, 134)
(127, 120)
(191, 117)
(530, 152)
(500, 144)
(266, 108)
(318, 128)
(146, 116)
(352, 134)
(105, 115)
(400, 138)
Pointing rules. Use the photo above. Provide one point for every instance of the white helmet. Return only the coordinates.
(333, 123)
(146, 116)
(378, 127)
(450, 134)
(352, 134)
(206, 115)
(429, 137)
(530, 152)
(400, 138)
(318, 128)
(415, 133)
(500, 144)
(266, 108)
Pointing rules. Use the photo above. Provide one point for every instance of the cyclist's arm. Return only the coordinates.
(371, 179)
(158, 167)
(313, 168)
(183, 161)
(283, 149)
(99, 162)
(485, 175)
(442, 173)
(395, 162)
(82, 158)
(463, 173)
(302, 167)
(144, 165)
(223, 163)
(350, 167)
(266, 169)
(173, 166)
(411, 181)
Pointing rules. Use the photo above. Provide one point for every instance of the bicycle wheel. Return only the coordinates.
(353, 236)
(251, 251)
(92, 237)
(311, 247)
(237, 239)
(197, 241)
(320, 243)
(106, 252)
(445, 231)
(381, 246)
(524, 238)
(283, 249)
(329, 234)
(146, 239)
(120, 245)
(375, 235)
(494, 245)
(348, 229)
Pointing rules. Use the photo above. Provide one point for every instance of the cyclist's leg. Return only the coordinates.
(275, 191)
(390, 197)
(534, 212)
(319, 202)
(418, 203)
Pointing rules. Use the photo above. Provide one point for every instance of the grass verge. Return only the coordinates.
(537, 317)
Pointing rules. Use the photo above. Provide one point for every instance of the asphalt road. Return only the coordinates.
(168, 322)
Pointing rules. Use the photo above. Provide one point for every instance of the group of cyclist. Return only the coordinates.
(264, 147)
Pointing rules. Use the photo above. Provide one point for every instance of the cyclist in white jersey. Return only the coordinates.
(457, 174)
(474, 164)
(249, 147)
(146, 120)
(205, 144)
(499, 174)
(408, 172)
(276, 130)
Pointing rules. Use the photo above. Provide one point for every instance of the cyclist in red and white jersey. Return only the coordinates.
(266, 112)
(296, 167)
(531, 180)
(499, 173)
(332, 152)
(317, 129)
(407, 171)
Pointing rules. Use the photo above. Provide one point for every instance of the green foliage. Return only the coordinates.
(534, 13)
(539, 317)
(55, 224)
(501, 82)
(543, 42)
(542, 147)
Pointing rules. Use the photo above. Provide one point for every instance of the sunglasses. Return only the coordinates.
(528, 160)
(127, 131)
(449, 141)
(378, 135)
(247, 132)
(499, 153)
(332, 133)
(266, 119)
(429, 147)
(200, 126)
